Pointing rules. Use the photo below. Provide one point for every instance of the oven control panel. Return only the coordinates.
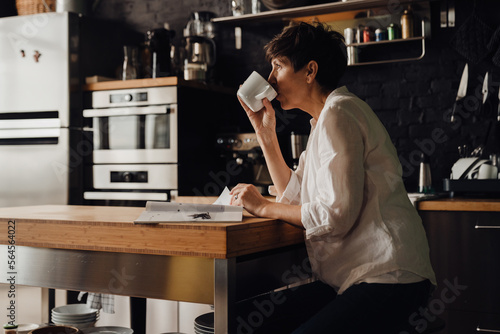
(129, 176)
(128, 97)
(134, 97)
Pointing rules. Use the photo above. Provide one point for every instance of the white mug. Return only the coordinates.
(254, 90)
(487, 171)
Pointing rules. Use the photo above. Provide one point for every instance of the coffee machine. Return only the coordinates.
(155, 54)
(244, 160)
(199, 47)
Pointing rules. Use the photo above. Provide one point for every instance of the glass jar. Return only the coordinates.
(129, 69)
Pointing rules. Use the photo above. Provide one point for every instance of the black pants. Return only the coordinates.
(370, 308)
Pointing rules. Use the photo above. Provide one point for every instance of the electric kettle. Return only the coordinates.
(157, 61)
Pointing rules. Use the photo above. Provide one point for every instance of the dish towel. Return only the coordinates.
(471, 39)
(99, 300)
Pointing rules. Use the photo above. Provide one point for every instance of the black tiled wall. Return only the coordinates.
(413, 99)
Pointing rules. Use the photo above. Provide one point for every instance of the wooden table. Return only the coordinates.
(100, 249)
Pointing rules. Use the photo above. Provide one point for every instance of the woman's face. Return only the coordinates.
(288, 83)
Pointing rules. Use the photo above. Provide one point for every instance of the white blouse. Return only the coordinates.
(359, 223)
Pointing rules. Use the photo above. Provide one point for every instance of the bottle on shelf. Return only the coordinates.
(407, 24)
(393, 32)
(367, 34)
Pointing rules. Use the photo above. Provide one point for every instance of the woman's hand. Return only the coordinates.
(263, 121)
(250, 198)
(247, 196)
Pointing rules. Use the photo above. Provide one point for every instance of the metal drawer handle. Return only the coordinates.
(487, 227)
(487, 330)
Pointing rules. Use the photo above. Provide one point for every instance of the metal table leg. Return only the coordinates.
(224, 295)
(138, 314)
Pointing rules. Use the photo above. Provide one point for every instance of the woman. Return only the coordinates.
(364, 238)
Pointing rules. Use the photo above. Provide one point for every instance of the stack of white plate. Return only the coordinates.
(26, 328)
(77, 315)
(108, 330)
(204, 324)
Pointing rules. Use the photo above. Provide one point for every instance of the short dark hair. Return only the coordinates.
(302, 42)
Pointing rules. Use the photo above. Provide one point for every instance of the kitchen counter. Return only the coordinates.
(459, 204)
(463, 236)
(100, 249)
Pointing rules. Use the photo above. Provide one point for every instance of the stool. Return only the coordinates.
(434, 326)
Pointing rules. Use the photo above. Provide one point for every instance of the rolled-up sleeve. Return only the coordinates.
(338, 178)
(291, 195)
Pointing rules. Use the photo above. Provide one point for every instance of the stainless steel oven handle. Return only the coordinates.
(124, 196)
(30, 133)
(130, 111)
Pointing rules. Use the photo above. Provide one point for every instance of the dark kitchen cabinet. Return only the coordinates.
(463, 322)
(465, 254)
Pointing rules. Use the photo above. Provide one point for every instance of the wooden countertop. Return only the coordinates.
(111, 229)
(459, 204)
(126, 84)
(157, 82)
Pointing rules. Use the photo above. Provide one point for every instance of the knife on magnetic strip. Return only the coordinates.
(462, 90)
(498, 112)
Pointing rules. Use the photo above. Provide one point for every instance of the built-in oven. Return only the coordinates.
(135, 152)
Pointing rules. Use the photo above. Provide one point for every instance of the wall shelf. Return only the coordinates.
(313, 10)
(350, 13)
(399, 40)
(388, 43)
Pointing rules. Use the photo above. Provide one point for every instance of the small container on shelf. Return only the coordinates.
(407, 24)
(380, 35)
(349, 35)
(392, 32)
(367, 35)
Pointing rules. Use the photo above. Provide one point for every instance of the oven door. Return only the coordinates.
(143, 134)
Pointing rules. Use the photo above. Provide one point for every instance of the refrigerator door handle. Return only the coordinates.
(30, 133)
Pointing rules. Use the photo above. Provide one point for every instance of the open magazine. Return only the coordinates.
(168, 212)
